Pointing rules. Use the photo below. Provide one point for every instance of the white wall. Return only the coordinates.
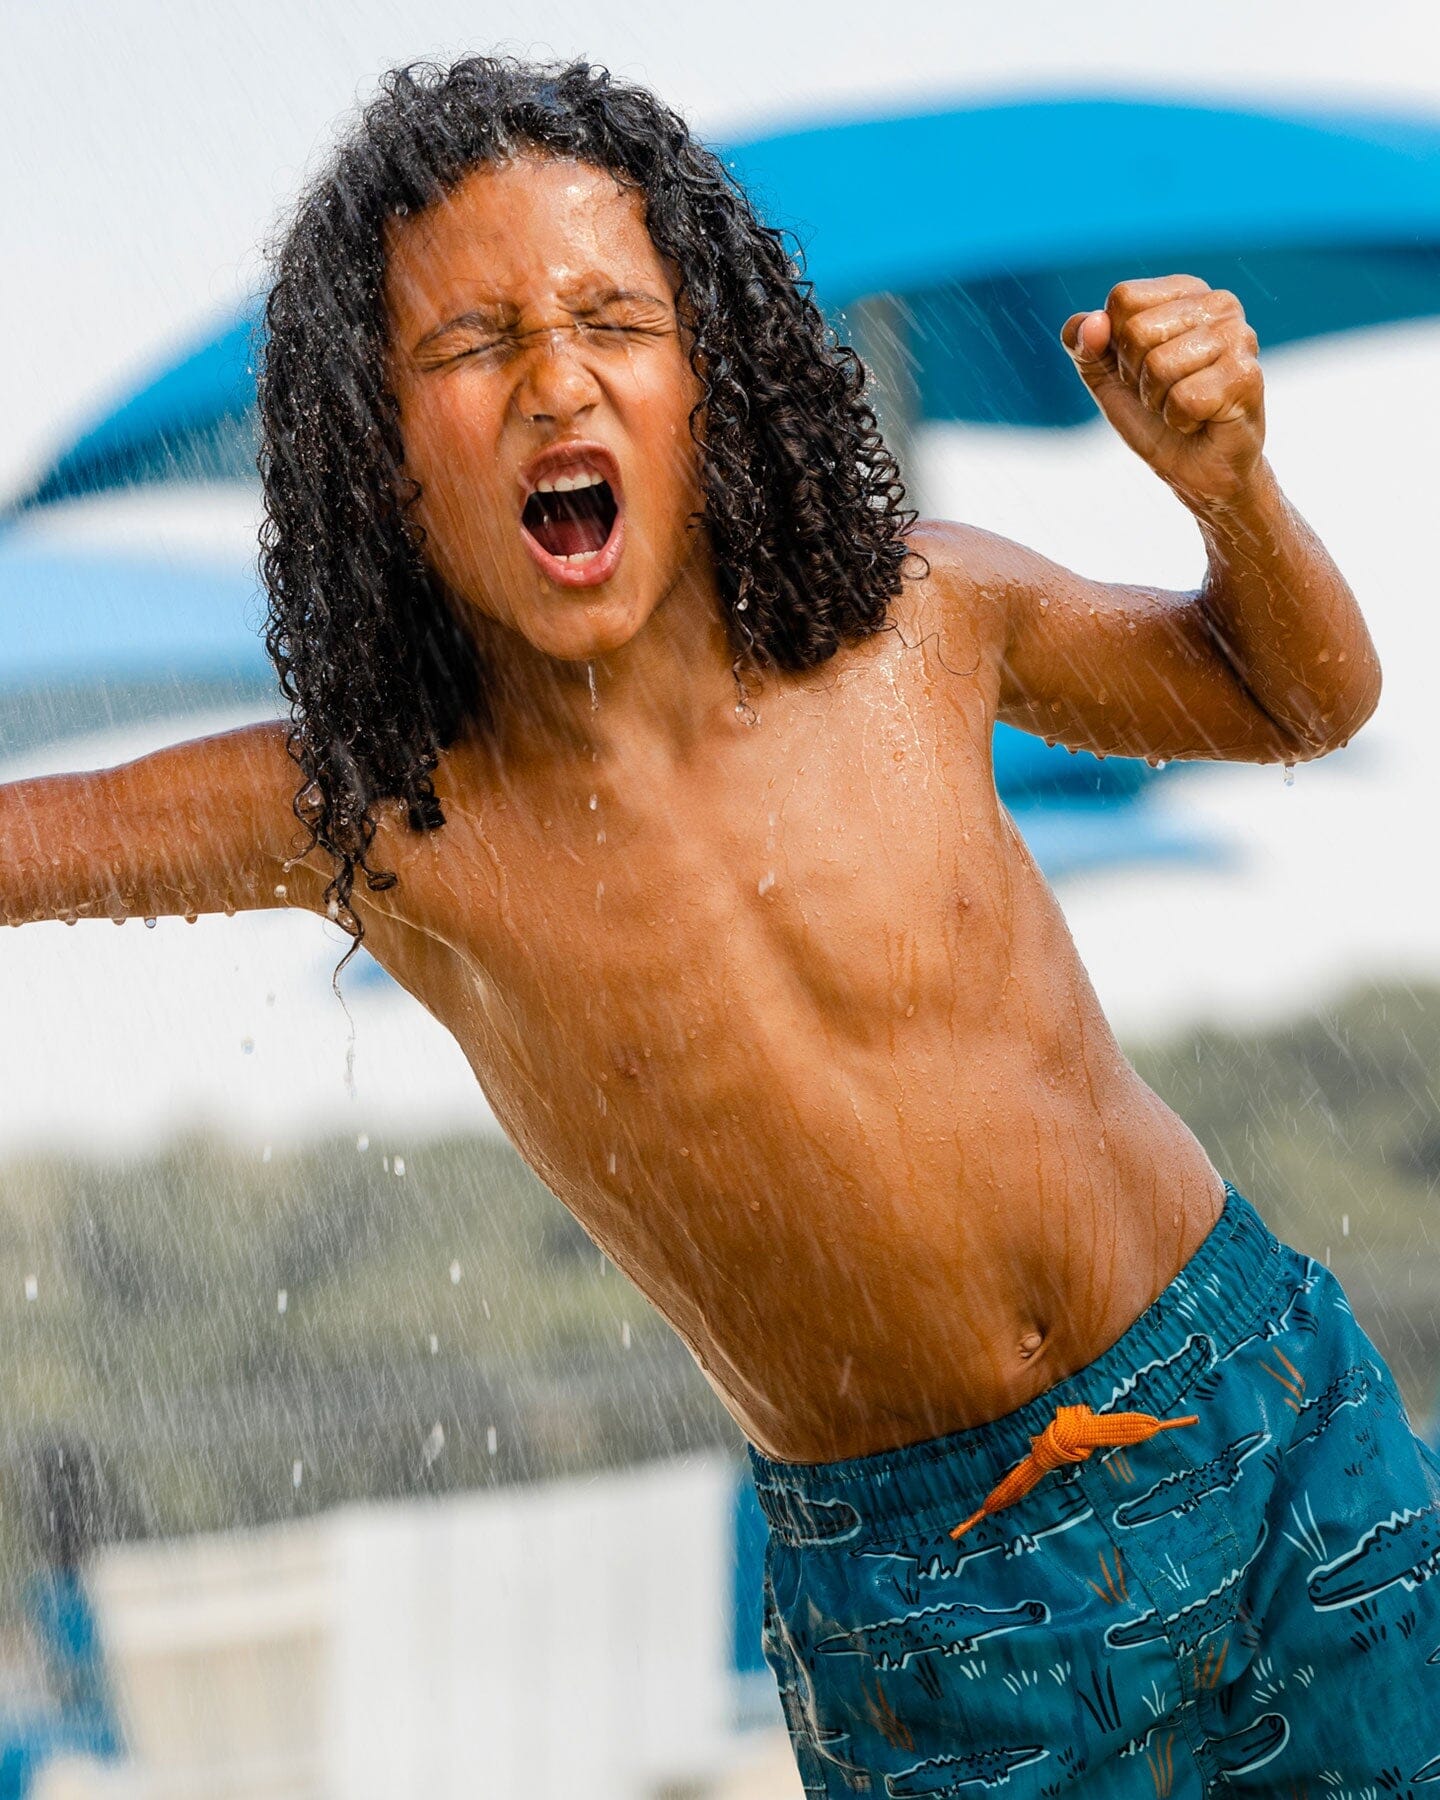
(544, 1641)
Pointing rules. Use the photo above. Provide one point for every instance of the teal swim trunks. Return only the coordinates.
(1241, 1605)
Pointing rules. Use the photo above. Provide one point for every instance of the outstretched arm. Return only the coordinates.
(1269, 660)
(203, 826)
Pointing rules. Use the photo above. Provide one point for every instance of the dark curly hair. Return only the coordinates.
(803, 503)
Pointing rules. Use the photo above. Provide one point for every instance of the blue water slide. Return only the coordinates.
(993, 223)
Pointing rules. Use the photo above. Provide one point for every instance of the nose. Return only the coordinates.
(556, 384)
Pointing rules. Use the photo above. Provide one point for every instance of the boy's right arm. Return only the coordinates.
(203, 826)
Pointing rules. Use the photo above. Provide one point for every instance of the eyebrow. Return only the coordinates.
(485, 317)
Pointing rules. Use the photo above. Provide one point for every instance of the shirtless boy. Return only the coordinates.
(645, 738)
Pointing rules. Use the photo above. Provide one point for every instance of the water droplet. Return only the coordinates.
(399, 1165)
(362, 1143)
(1289, 774)
(741, 604)
(281, 890)
(610, 1162)
(594, 691)
(150, 924)
(1344, 1224)
(491, 1439)
(599, 837)
(191, 917)
(594, 802)
(265, 1154)
(297, 1470)
(282, 1300)
(434, 1444)
(434, 1344)
(70, 918)
(625, 1333)
(455, 1273)
(32, 1288)
(332, 911)
(1159, 762)
(247, 1044)
(766, 882)
(117, 918)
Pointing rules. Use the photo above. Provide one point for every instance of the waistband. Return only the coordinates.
(1204, 1312)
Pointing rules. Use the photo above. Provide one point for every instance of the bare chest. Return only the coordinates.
(844, 872)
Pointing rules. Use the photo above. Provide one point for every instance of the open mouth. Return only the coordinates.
(571, 524)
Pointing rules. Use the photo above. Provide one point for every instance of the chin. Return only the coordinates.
(580, 632)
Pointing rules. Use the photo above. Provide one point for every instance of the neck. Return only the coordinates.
(661, 693)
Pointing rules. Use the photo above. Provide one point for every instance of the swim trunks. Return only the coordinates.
(1239, 1605)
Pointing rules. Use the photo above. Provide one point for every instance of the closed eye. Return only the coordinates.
(651, 328)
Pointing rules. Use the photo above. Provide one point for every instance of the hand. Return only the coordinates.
(1172, 363)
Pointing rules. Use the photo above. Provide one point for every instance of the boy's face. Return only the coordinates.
(545, 395)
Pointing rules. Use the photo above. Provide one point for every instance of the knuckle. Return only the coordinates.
(1145, 331)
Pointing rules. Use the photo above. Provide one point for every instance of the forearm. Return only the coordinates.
(1283, 617)
(66, 852)
(198, 827)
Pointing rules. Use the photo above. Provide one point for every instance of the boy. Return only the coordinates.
(661, 735)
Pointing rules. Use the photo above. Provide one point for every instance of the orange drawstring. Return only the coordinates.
(1069, 1437)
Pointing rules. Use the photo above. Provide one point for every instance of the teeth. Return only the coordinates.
(566, 484)
(580, 556)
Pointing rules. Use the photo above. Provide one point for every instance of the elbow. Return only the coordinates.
(1333, 728)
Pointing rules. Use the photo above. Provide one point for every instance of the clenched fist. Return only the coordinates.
(1172, 363)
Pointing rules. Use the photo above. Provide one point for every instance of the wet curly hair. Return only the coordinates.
(802, 500)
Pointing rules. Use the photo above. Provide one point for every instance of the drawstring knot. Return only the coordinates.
(1069, 1438)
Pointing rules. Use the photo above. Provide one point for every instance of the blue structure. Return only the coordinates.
(82, 1719)
(996, 222)
(992, 223)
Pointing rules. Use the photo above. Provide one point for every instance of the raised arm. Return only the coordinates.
(1268, 660)
(202, 826)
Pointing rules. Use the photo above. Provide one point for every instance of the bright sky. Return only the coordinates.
(149, 149)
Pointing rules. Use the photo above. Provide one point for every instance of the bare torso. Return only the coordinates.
(783, 1011)
(797, 1030)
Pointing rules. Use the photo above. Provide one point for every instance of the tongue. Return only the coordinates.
(570, 537)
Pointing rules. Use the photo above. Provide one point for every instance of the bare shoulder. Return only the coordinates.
(961, 585)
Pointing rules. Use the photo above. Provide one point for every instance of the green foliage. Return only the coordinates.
(1330, 1125)
(156, 1335)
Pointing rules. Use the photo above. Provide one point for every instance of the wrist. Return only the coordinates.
(1255, 500)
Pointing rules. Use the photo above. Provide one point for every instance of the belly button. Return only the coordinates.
(1030, 1343)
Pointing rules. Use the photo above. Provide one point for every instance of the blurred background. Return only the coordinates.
(334, 1459)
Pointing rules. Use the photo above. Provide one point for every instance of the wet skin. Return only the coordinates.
(783, 1010)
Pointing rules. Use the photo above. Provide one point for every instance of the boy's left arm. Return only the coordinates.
(1269, 660)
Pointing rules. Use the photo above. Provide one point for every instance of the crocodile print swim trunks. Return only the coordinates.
(1242, 1606)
